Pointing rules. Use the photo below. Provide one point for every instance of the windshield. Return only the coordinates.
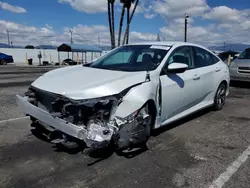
(245, 54)
(132, 58)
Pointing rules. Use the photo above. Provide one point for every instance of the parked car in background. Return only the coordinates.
(120, 97)
(5, 59)
(69, 62)
(240, 67)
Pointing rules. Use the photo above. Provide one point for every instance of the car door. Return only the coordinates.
(179, 90)
(206, 64)
(190, 95)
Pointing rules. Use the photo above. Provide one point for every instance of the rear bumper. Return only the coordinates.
(55, 122)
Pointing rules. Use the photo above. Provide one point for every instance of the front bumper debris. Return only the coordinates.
(120, 132)
(95, 135)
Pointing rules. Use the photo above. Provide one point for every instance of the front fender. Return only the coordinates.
(136, 98)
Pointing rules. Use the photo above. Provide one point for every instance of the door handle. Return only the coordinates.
(217, 69)
(196, 77)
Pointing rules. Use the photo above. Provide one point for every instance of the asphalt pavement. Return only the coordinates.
(207, 149)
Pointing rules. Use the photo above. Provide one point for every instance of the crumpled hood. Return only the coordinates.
(78, 82)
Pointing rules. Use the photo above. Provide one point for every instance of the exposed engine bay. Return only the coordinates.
(97, 119)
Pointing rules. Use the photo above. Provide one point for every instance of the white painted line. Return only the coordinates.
(14, 119)
(234, 166)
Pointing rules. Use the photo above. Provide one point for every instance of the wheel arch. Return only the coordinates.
(153, 110)
(226, 83)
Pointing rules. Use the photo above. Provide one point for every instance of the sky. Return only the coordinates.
(47, 22)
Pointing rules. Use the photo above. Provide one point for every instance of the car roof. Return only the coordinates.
(167, 43)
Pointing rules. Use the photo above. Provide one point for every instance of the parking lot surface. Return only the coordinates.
(207, 149)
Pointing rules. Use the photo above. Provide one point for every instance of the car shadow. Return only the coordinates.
(180, 122)
(240, 84)
(177, 79)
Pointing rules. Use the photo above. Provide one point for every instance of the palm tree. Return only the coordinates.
(111, 22)
(110, 27)
(129, 18)
(121, 21)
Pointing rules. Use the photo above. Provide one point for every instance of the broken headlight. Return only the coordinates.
(138, 116)
(93, 102)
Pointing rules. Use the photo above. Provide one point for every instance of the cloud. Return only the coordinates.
(227, 24)
(196, 34)
(12, 8)
(100, 6)
(169, 9)
(48, 26)
(88, 6)
(208, 35)
(23, 35)
(149, 16)
(82, 34)
(227, 14)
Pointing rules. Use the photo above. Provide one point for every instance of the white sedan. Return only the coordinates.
(119, 98)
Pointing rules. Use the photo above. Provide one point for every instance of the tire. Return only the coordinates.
(3, 62)
(220, 97)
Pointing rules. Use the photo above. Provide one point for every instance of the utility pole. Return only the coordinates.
(224, 48)
(8, 35)
(71, 41)
(185, 37)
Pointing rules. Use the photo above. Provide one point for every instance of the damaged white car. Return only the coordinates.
(122, 96)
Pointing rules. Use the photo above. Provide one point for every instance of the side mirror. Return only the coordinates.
(177, 67)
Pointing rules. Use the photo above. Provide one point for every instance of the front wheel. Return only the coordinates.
(137, 133)
(220, 97)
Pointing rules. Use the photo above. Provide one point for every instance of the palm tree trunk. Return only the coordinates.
(128, 24)
(131, 17)
(113, 23)
(121, 24)
(110, 27)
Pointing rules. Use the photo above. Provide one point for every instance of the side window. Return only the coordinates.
(203, 58)
(181, 55)
(118, 58)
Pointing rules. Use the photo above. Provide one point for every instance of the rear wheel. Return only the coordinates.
(3, 62)
(220, 97)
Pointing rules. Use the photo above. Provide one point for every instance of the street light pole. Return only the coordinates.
(71, 41)
(185, 37)
(8, 35)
